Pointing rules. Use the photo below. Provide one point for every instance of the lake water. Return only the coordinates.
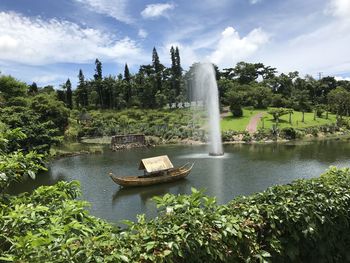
(243, 170)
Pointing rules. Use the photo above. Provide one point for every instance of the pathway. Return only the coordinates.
(252, 127)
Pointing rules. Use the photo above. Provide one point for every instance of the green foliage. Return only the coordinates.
(288, 133)
(49, 109)
(11, 88)
(15, 164)
(235, 100)
(228, 135)
(247, 137)
(50, 226)
(305, 221)
(40, 133)
(277, 113)
(339, 100)
(166, 124)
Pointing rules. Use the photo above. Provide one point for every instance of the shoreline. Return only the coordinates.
(306, 139)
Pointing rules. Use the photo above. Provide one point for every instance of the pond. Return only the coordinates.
(243, 170)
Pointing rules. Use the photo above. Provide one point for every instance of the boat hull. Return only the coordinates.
(134, 181)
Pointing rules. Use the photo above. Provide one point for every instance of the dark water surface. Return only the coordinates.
(243, 170)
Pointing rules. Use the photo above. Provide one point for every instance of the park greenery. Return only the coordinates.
(306, 221)
(156, 100)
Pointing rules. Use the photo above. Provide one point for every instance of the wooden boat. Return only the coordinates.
(157, 170)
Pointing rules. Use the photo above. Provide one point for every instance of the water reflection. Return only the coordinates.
(147, 193)
(41, 179)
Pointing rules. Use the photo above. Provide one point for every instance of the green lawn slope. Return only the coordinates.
(240, 124)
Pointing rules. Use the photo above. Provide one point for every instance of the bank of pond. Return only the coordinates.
(304, 221)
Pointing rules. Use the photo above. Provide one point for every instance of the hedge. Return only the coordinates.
(305, 221)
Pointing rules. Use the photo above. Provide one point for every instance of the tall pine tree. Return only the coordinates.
(82, 98)
(176, 76)
(126, 73)
(157, 69)
(178, 71)
(68, 86)
(98, 81)
(127, 79)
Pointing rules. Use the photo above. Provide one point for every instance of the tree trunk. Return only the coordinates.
(303, 116)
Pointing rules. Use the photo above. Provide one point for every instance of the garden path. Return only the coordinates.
(253, 123)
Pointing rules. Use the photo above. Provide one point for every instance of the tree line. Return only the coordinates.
(43, 112)
(153, 86)
(246, 84)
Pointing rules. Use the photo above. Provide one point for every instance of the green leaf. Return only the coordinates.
(7, 259)
(166, 252)
(150, 245)
(31, 174)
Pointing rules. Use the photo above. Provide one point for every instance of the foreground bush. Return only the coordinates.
(306, 221)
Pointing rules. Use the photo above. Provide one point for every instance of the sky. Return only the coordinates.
(48, 41)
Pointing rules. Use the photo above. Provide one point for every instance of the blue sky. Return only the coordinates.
(49, 41)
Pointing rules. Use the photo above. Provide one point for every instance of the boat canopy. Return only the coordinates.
(156, 164)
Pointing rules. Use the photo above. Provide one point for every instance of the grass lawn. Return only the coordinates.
(296, 120)
(239, 124)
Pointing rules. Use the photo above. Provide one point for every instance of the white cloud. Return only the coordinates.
(223, 49)
(253, 2)
(231, 48)
(325, 49)
(342, 78)
(46, 78)
(37, 42)
(156, 10)
(142, 33)
(112, 8)
(339, 8)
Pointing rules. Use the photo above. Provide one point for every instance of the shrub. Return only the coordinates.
(305, 221)
(227, 136)
(247, 137)
(236, 111)
(288, 133)
(261, 134)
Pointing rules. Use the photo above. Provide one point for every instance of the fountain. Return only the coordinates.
(206, 90)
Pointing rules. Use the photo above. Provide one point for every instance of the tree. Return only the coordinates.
(127, 76)
(127, 79)
(98, 70)
(160, 99)
(339, 101)
(33, 89)
(284, 83)
(176, 75)
(277, 113)
(157, 69)
(267, 72)
(68, 86)
(247, 72)
(261, 96)
(81, 92)
(11, 87)
(98, 79)
(235, 100)
(302, 103)
(61, 95)
(49, 109)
